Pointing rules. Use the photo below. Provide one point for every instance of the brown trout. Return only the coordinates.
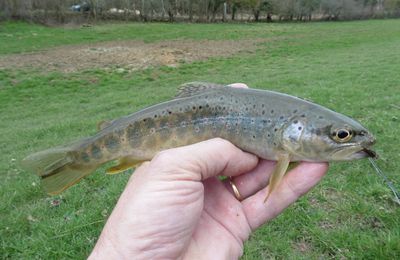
(269, 124)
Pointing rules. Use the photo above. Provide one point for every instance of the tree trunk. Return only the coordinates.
(142, 11)
(256, 15)
(93, 7)
(269, 18)
(163, 9)
(224, 14)
(190, 10)
(233, 12)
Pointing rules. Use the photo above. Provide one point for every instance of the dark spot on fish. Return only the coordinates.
(221, 98)
(300, 128)
(262, 105)
(206, 97)
(144, 120)
(320, 117)
(112, 143)
(269, 121)
(194, 108)
(269, 135)
(295, 111)
(180, 109)
(263, 112)
(247, 109)
(281, 117)
(169, 112)
(275, 129)
(254, 137)
(318, 132)
(254, 106)
(155, 116)
(272, 111)
(303, 115)
(207, 105)
(96, 152)
(295, 121)
(274, 144)
(200, 107)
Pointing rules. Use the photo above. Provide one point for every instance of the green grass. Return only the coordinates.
(22, 37)
(351, 67)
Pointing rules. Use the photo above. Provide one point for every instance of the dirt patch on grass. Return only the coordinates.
(126, 55)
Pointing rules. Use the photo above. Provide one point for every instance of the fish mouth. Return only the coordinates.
(353, 152)
(366, 152)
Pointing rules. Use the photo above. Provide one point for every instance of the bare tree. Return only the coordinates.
(203, 10)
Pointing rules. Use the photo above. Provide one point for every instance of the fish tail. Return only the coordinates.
(57, 168)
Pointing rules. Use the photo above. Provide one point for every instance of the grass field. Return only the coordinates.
(351, 67)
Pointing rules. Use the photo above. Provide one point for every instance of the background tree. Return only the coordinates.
(49, 11)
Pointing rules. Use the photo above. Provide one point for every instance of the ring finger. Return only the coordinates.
(247, 184)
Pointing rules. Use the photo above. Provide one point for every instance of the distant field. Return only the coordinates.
(351, 67)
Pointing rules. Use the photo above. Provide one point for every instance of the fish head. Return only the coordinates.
(327, 137)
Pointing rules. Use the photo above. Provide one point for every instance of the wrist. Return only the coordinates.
(107, 247)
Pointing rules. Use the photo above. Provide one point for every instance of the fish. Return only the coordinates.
(272, 125)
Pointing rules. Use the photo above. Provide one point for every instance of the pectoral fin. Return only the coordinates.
(124, 164)
(277, 175)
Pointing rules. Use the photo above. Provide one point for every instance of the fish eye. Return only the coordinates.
(342, 135)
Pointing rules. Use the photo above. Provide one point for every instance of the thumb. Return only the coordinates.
(203, 160)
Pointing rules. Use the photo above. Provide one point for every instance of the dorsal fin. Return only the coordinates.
(194, 88)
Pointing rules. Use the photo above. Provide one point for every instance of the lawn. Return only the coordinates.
(351, 67)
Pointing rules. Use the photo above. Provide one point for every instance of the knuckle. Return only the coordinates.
(223, 142)
(164, 157)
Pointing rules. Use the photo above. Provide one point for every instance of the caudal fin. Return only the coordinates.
(57, 169)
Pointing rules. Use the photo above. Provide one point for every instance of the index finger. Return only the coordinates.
(203, 160)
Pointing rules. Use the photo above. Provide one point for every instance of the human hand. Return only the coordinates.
(176, 207)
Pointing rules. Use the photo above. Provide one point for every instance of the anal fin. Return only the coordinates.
(124, 164)
(278, 173)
